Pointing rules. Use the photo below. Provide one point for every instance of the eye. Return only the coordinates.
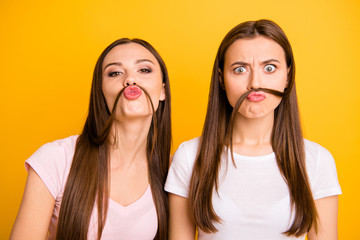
(145, 70)
(240, 70)
(270, 68)
(114, 74)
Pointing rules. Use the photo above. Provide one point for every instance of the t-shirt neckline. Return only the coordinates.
(238, 156)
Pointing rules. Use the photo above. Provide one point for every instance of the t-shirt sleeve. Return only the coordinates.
(49, 162)
(324, 178)
(179, 175)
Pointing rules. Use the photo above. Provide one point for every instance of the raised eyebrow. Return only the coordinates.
(270, 61)
(113, 63)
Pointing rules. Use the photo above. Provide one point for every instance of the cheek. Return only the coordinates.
(234, 89)
(281, 85)
(276, 82)
(156, 94)
(273, 101)
(110, 94)
(108, 99)
(154, 86)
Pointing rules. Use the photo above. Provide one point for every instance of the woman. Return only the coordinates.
(251, 175)
(108, 182)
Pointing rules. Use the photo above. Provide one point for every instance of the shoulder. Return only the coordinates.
(314, 149)
(179, 175)
(62, 149)
(191, 144)
(317, 157)
(188, 150)
(64, 144)
(316, 154)
(52, 162)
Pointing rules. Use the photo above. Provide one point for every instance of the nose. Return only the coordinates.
(129, 79)
(254, 80)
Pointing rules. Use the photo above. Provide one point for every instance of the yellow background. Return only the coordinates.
(49, 49)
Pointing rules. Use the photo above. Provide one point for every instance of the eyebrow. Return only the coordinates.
(271, 60)
(263, 62)
(239, 63)
(120, 64)
(143, 60)
(113, 63)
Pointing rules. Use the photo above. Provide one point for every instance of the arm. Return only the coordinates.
(327, 209)
(181, 227)
(33, 219)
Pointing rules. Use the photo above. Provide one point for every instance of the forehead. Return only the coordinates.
(128, 53)
(248, 49)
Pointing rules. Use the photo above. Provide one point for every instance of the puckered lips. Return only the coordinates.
(256, 97)
(132, 92)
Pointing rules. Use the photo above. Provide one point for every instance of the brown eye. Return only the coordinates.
(269, 68)
(145, 70)
(114, 74)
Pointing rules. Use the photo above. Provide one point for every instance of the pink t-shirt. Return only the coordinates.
(52, 163)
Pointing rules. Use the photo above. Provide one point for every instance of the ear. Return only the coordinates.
(162, 93)
(287, 78)
(221, 80)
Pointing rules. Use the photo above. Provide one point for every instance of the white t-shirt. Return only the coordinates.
(253, 200)
(52, 162)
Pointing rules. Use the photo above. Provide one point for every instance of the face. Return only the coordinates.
(250, 64)
(129, 65)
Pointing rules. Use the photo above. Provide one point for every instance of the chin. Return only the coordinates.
(260, 115)
(135, 114)
(254, 114)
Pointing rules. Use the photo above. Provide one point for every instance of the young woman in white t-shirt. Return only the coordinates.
(107, 182)
(251, 175)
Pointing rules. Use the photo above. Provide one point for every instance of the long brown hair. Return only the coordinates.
(287, 140)
(87, 185)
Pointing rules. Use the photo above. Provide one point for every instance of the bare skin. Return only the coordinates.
(33, 219)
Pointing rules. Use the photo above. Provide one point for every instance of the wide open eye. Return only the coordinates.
(240, 70)
(270, 68)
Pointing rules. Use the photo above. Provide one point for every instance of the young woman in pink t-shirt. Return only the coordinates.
(107, 182)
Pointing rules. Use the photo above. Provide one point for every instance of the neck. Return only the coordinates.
(252, 136)
(128, 141)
